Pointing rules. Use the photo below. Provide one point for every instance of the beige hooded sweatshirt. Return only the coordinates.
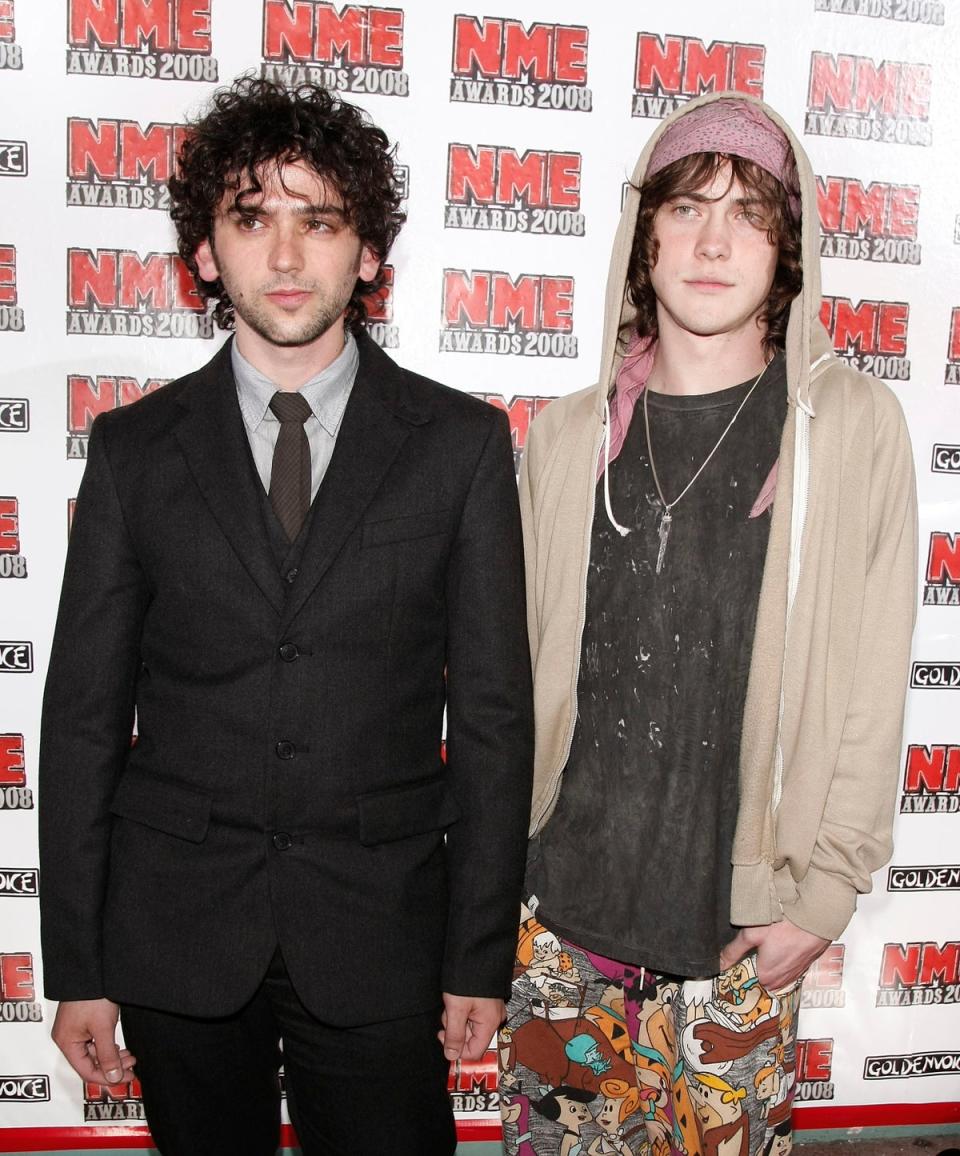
(823, 717)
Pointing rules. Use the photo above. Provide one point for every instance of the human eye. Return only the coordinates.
(752, 215)
(323, 221)
(248, 222)
(684, 210)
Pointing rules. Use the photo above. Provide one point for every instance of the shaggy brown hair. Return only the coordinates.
(688, 175)
(255, 123)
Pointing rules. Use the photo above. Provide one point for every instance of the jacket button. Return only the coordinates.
(285, 749)
(291, 575)
(289, 652)
(282, 841)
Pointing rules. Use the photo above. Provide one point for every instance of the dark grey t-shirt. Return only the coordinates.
(635, 861)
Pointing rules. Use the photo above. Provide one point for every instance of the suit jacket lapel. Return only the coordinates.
(375, 425)
(214, 442)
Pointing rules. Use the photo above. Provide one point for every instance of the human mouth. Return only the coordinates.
(288, 298)
(708, 284)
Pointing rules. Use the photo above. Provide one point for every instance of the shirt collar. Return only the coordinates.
(326, 393)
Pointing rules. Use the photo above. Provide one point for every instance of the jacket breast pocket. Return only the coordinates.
(163, 806)
(406, 528)
(405, 811)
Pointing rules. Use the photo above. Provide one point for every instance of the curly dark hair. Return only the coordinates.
(688, 175)
(254, 123)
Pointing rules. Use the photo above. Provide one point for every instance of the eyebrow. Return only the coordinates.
(302, 209)
(703, 199)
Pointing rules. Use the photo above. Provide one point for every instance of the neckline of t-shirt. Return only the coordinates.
(719, 398)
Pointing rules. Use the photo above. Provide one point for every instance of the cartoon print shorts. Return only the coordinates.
(601, 1058)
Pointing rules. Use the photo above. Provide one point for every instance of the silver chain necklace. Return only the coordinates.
(666, 515)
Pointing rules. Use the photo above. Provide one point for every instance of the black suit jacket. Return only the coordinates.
(287, 782)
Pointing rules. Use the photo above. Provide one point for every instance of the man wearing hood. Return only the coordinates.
(721, 554)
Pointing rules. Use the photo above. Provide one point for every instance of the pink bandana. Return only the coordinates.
(730, 126)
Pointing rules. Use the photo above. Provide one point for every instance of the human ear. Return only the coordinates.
(206, 261)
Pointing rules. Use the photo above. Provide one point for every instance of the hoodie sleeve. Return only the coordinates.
(854, 837)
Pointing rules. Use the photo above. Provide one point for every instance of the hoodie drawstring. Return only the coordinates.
(623, 531)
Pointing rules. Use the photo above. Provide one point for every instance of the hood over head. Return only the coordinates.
(725, 122)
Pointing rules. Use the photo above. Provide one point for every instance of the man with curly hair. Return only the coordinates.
(721, 560)
(287, 567)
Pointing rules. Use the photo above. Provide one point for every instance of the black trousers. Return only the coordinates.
(211, 1086)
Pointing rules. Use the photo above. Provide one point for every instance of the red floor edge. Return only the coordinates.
(105, 1137)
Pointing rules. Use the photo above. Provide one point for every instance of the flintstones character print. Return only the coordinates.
(568, 1107)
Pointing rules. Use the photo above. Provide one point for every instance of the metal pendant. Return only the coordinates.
(663, 529)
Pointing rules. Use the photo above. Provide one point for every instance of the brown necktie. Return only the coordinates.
(290, 473)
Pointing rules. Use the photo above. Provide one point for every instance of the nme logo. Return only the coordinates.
(931, 780)
(814, 1070)
(521, 412)
(19, 882)
(356, 49)
(24, 1089)
(88, 397)
(951, 372)
(13, 158)
(823, 983)
(877, 223)
(942, 581)
(500, 61)
(15, 795)
(486, 311)
(18, 989)
(855, 98)
(472, 1084)
(12, 562)
(495, 187)
(116, 292)
(380, 324)
(151, 39)
(670, 70)
(16, 657)
(11, 54)
(871, 335)
(11, 313)
(942, 877)
(119, 164)
(919, 973)
(114, 1102)
(911, 11)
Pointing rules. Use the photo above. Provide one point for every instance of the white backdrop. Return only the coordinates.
(516, 135)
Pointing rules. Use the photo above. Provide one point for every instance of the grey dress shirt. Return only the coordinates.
(327, 395)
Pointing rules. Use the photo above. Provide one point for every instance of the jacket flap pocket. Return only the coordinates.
(400, 812)
(405, 528)
(163, 805)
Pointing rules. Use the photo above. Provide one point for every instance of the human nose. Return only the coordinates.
(286, 251)
(713, 239)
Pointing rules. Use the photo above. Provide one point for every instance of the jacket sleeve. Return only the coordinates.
(854, 837)
(489, 727)
(529, 525)
(86, 726)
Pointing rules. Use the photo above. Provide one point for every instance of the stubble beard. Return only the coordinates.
(291, 332)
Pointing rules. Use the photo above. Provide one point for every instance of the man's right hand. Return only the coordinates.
(85, 1030)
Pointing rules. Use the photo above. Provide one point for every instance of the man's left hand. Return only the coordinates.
(468, 1025)
(784, 952)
